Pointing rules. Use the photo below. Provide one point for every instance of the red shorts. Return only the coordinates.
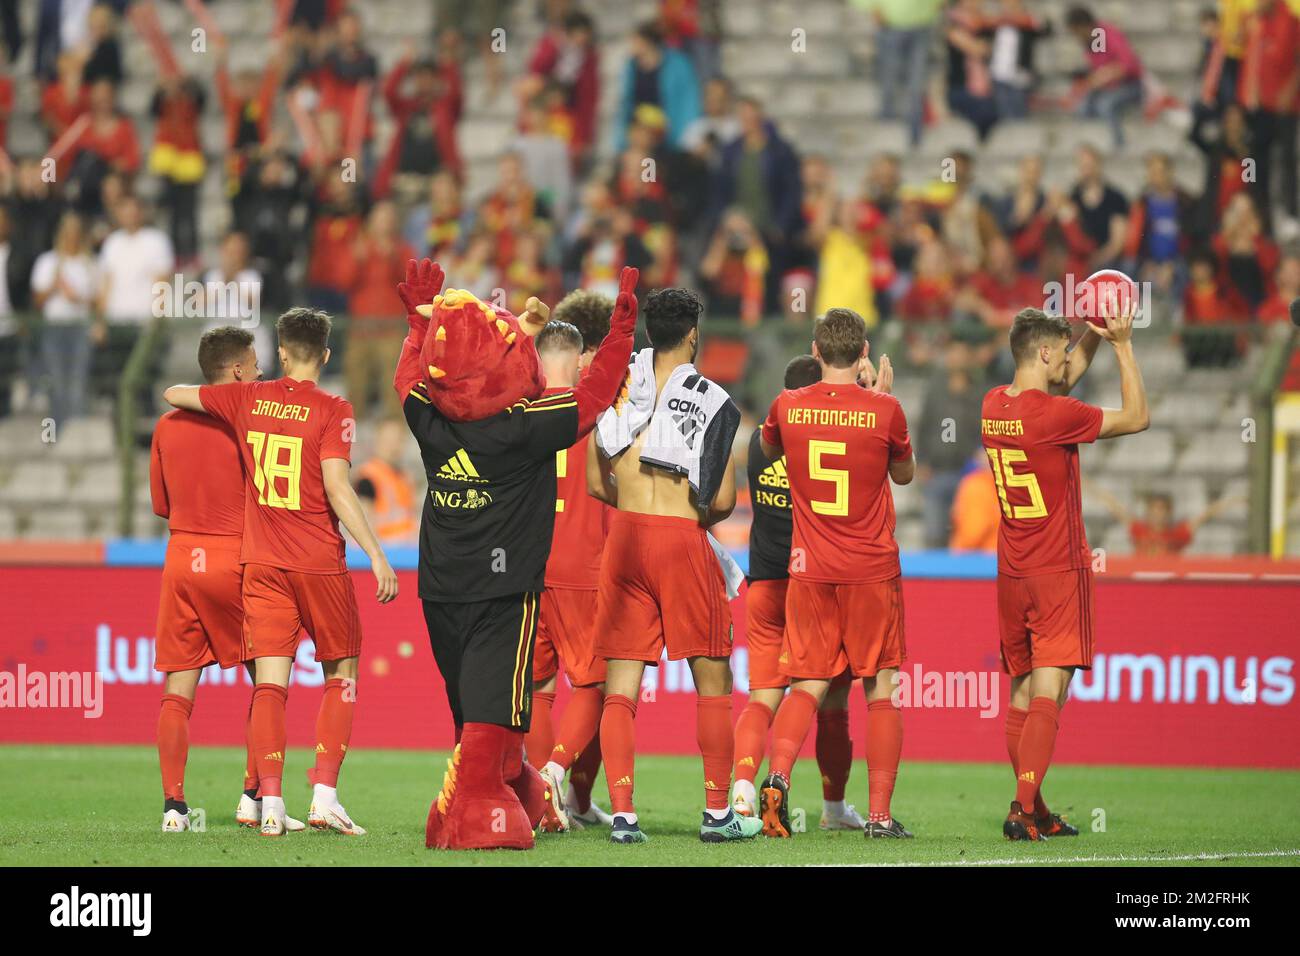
(660, 588)
(200, 612)
(564, 630)
(280, 605)
(1045, 621)
(829, 627)
(764, 632)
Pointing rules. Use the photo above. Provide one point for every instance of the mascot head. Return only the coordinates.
(478, 359)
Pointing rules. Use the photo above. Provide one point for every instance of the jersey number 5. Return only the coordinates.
(277, 456)
(1005, 476)
(839, 505)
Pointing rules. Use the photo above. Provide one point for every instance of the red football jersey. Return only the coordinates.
(285, 430)
(195, 477)
(1032, 444)
(839, 441)
(580, 522)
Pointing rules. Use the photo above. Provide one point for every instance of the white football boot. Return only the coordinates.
(249, 814)
(842, 816)
(333, 817)
(744, 798)
(594, 816)
(175, 822)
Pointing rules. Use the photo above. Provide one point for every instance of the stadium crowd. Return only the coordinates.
(694, 184)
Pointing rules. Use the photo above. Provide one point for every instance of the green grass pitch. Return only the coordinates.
(82, 806)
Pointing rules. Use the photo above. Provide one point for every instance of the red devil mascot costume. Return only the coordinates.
(471, 386)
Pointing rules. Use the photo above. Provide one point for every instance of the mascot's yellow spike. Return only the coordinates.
(441, 334)
(510, 339)
(436, 372)
(425, 310)
(503, 326)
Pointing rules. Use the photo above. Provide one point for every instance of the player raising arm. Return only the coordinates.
(296, 442)
(843, 444)
(1031, 433)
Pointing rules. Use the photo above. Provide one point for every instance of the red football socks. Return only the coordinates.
(174, 744)
(540, 739)
(1015, 726)
(751, 739)
(579, 726)
(333, 730)
(618, 746)
(582, 776)
(884, 746)
(834, 752)
(269, 735)
(790, 728)
(250, 765)
(717, 746)
(1037, 741)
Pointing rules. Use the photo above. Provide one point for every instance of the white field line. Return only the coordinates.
(1066, 860)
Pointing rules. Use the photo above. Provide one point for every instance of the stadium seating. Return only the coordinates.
(826, 100)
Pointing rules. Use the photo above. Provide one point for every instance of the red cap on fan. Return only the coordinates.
(1093, 295)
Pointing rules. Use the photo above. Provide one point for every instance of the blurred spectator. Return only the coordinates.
(475, 269)
(348, 72)
(435, 227)
(1269, 89)
(1113, 83)
(930, 295)
(64, 283)
(512, 207)
(385, 487)
(545, 160)
(370, 273)
(131, 260)
(660, 76)
(177, 158)
(1156, 533)
(1224, 34)
(1228, 155)
(970, 84)
(604, 240)
(844, 258)
(716, 127)
(946, 434)
(1016, 30)
(33, 203)
(1246, 256)
(976, 511)
(479, 19)
(567, 57)
(247, 100)
(103, 52)
(999, 289)
(108, 144)
(527, 274)
(1159, 225)
(334, 231)
(695, 26)
(1102, 211)
(1286, 289)
(10, 340)
(424, 107)
(733, 271)
(65, 98)
(966, 221)
(903, 57)
(242, 284)
(267, 209)
(760, 174)
(1210, 310)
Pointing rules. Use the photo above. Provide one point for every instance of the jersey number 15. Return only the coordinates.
(1005, 476)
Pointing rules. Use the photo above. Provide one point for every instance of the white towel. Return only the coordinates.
(692, 427)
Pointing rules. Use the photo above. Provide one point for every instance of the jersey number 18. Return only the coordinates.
(270, 463)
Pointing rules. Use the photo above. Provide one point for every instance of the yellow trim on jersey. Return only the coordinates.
(521, 658)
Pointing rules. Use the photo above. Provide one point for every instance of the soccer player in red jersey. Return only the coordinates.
(1032, 431)
(296, 444)
(567, 612)
(196, 482)
(844, 604)
(769, 577)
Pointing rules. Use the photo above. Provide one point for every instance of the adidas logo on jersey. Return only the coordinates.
(775, 474)
(688, 417)
(460, 468)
